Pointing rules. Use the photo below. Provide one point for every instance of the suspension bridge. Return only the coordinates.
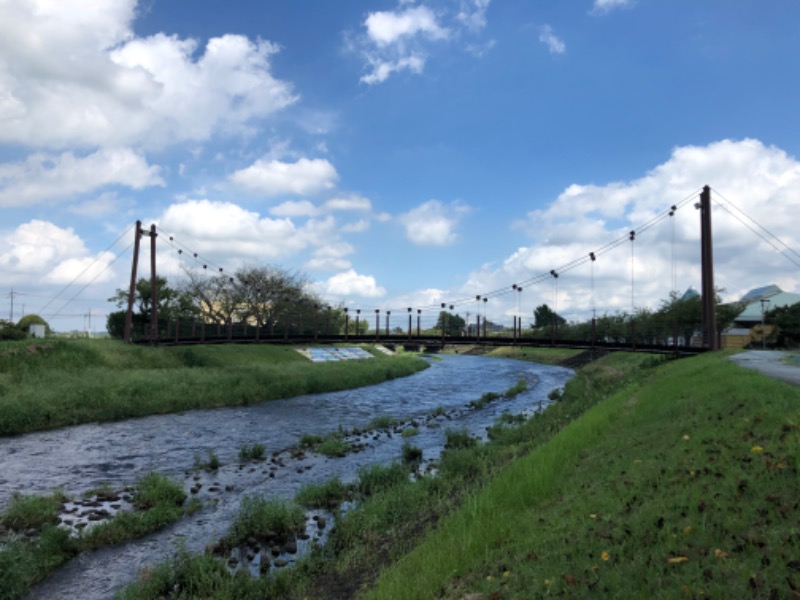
(300, 320)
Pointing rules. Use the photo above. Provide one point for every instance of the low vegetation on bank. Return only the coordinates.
(646, 478)
(33, 543)
(389, 510)
(45, 385)
(682, 484)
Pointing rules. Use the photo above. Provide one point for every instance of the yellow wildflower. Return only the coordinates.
(756, 449)
(604, 556)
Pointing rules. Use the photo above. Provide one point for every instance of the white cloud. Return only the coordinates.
(359, 226)
(270, 178)
(104, 204)
(292, 208)
(227, 231)
(433, 223)
(46, 178)
(39, 251)
(382, 69)
(350, 284)
(604, 6)
(763, 181)
(331, 257)
(349, 203)
(402, 39)
(387, 27)
(551, 40)
(472, 13)
(74, 74)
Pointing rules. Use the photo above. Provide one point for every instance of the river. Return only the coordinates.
(80, 458)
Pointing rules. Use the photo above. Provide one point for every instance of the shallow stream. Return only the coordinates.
(80, 458)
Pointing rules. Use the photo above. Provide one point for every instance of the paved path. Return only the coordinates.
(769, 363)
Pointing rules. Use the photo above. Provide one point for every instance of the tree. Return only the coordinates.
(172, 304)
(543, 316)
(25, 322)
(9, 331)
(267, 296)
(787, 320)
(453, 324)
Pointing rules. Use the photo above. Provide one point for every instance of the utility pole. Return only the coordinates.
(132, 291)
(12, 294)
(709, 299)
(153, 287)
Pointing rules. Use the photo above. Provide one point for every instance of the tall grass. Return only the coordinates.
(26, 559)
(391, 513)
(682, 485)
(68, 382)
(264, 518)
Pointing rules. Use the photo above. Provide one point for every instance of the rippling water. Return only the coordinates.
(80, 458)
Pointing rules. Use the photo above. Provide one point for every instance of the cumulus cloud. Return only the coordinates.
(472, 14)
(402, 39)
(388, 27)
(331, 257)
(604, 6)
(48, 178)
(433, 223)
(349, 203)
(359, 226)
(747, 178)
(349, 284)
(41, 251)
(224, 229)
(555, 44)
(292, 208)
(74, 74)
(269, 178)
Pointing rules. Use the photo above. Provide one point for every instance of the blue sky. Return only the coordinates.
(399, 153)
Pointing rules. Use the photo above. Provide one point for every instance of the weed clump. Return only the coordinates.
(252, 453)
(265, 518)
(328, 494)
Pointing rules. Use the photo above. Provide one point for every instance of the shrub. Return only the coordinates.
(411, 454)
(254, 452)
(328, 494)
(458, 438)
(261, 517)
(382, 422)
(374, 479)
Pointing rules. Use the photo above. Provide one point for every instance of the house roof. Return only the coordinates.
(756, 294)
(752, 312)
(690, 293)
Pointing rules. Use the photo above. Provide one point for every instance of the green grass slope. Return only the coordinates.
(683, 485)
(67, 382)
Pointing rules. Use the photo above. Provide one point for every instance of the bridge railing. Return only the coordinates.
(607, 333)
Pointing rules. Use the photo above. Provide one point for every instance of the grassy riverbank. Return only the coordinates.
(682, 484)
(647, 479)
(32, 545)
(391, 513)
(52, 384)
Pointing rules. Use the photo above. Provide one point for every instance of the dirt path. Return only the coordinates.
(769, 362)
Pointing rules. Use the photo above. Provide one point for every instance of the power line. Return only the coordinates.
(91, 281)
(761, 231)
(76, 278)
